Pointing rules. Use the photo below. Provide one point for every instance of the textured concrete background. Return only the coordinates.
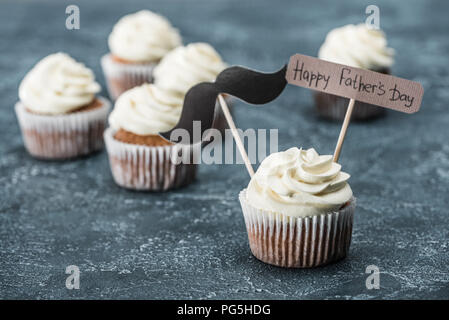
(192, 243)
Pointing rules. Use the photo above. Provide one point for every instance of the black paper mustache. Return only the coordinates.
(248, 85)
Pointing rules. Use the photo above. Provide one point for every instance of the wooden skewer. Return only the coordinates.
(344, 127)
(235, 134)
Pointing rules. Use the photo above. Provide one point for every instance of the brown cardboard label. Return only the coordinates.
(359, 84)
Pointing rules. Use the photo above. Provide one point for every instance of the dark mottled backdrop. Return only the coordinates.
(192, 243)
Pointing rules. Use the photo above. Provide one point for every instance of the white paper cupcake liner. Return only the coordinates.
(63, 136)
(122, 76)
(149, 168)
(298, 242)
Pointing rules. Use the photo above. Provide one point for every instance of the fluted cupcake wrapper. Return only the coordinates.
(298, 242)
(334, 107)
(63, 136)
(122, 76)
(149, 168)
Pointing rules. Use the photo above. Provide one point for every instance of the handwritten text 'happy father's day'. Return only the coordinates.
(359, 84)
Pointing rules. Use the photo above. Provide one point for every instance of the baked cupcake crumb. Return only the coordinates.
(148, 140)
(95, 104)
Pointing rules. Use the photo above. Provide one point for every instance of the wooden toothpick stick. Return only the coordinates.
(235, 134)
(344, 127)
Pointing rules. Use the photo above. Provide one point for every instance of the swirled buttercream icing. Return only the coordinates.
(143, 37)
(187, 66)
(357, 46)
(146, 110)
(58, 84)
(299, 183)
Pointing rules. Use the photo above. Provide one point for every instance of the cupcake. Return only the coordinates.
(137, 43)
(59, 114)
(356, 46)
(139, 158)
(187, 66)
(298, 210)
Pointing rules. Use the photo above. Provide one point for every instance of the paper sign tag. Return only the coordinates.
(359, 84)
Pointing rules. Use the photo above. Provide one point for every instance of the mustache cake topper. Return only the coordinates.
(251, 86)
(312, 73)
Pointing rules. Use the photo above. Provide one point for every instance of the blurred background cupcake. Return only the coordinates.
(187, 66)
(59, 114)
(137, 43)
(356, 46)
(298, 210)
(139, 158)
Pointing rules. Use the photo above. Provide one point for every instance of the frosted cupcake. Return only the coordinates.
(59, 114)
(298, 210)
(139, 158)
(356, 46)
(187, 66)
(137, 43)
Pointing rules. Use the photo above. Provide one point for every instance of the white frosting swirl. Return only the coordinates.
(187, 66)
(58, 84)
(357, 46)
(142, 37)
(299, 183)
(146, 110)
